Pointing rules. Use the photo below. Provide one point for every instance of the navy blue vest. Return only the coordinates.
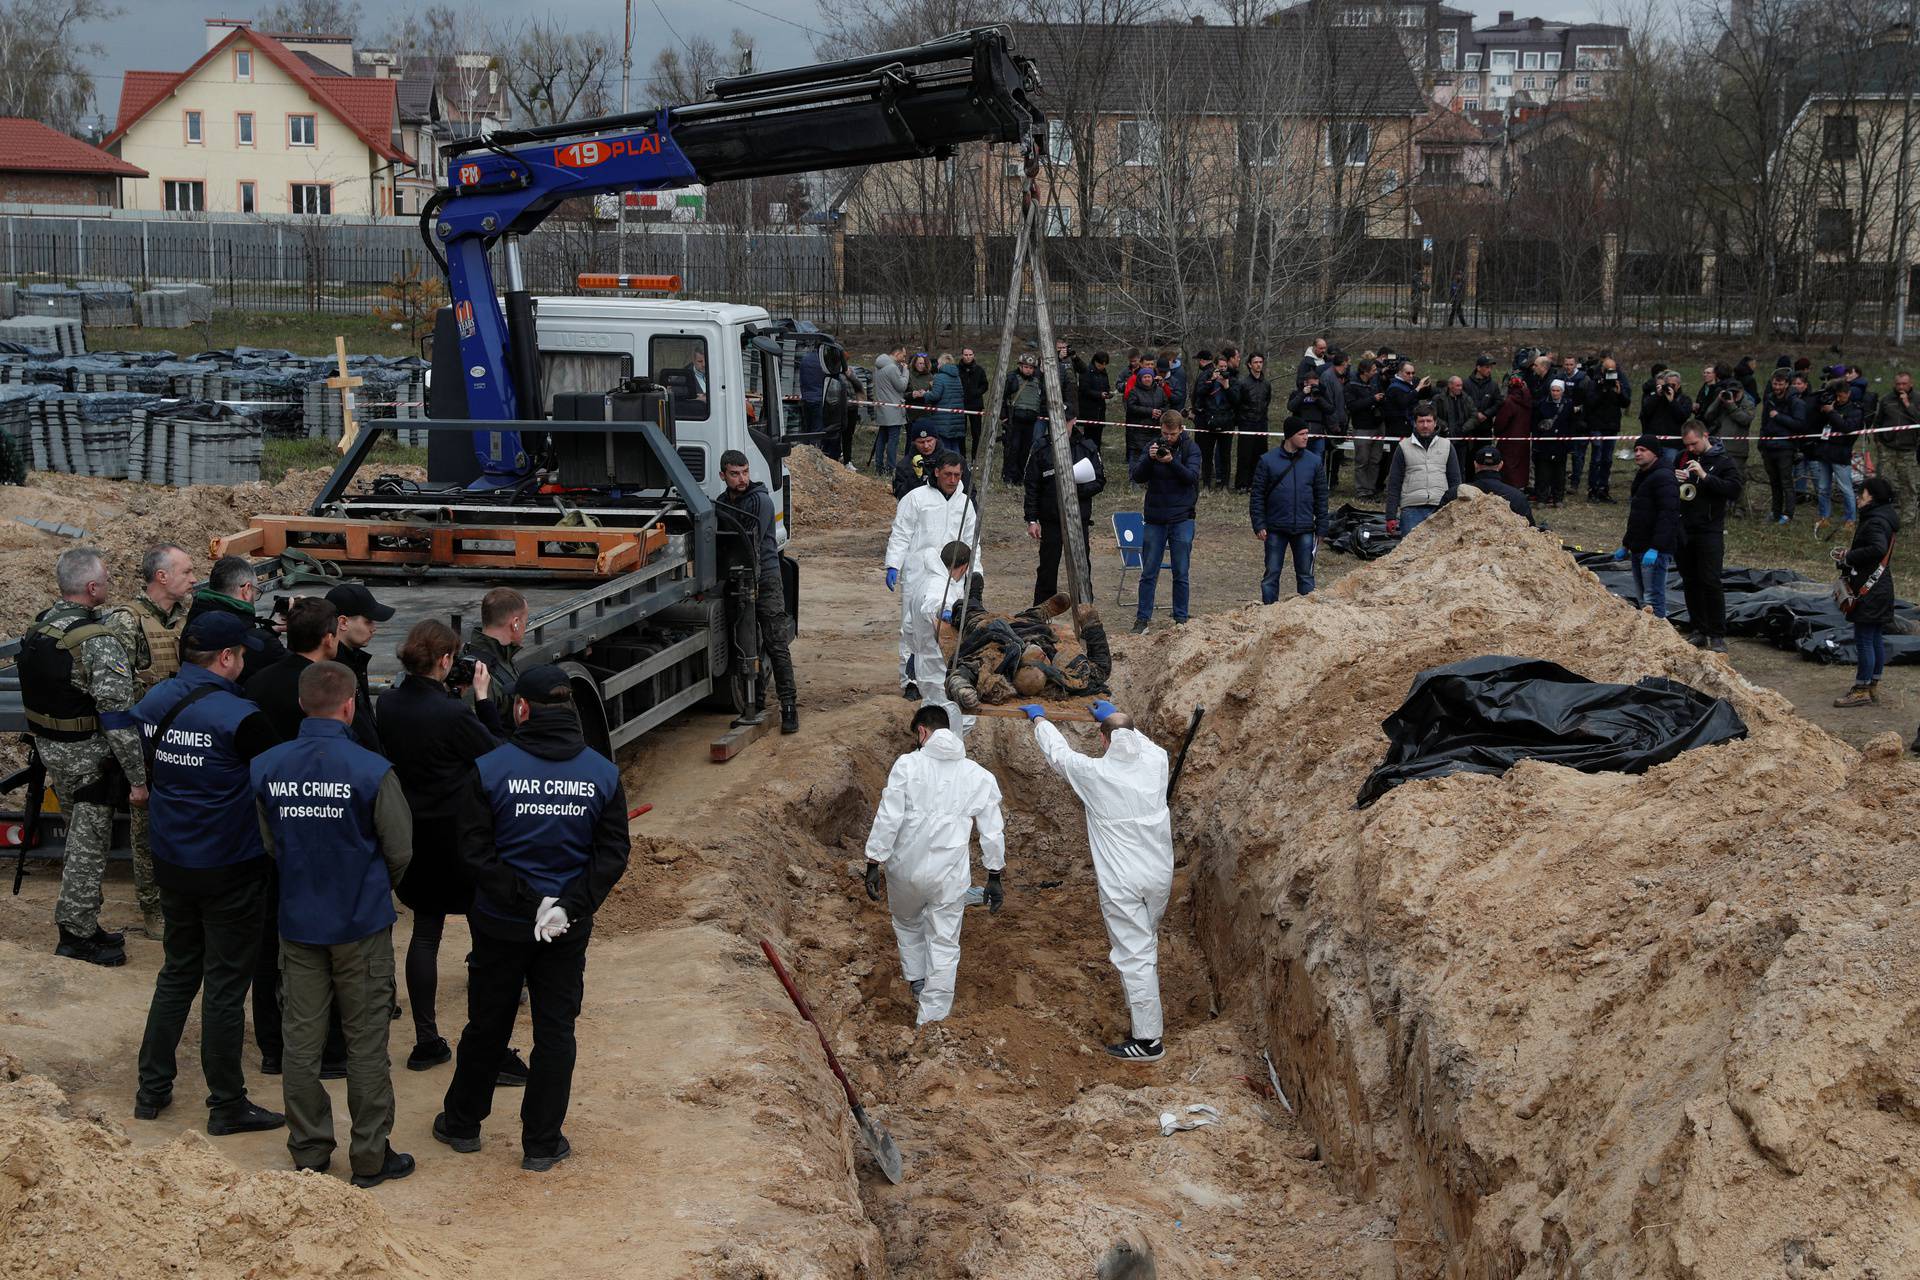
(318, 793)
(200, 811)
(544, 814)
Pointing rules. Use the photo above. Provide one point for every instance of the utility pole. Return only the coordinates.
(626, 89)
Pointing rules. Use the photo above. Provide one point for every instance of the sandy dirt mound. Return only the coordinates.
(1591, 1025)
(75, 1201)
(827, 496)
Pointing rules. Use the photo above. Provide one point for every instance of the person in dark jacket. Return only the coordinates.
(1146, 402)
(1513, 434)
(1288, 508)
(541, 870)
(1552, 419)
(1333, 393)
(231, 589)
(1664, 411)
(1042, 507)
(1653, 523)
(1837, 419)
(752, 507)
(944, 399)
(915, 467)
(1250, 398)
(1867, 565)
(496, 641)
(973, 397)
(360, 619)
(1170, 470)
(1486, 392)
(1607, 401)
(1213, 420)
(1362, 397)
(1709, 481)
(1095, 389)
(1898, 418)
(1312, 360)
(1782, 417)
(433, 738)
(1022, 404)
(312, 626)
(1486, 478)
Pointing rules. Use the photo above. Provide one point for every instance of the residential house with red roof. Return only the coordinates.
(41, 165)
(261, 124)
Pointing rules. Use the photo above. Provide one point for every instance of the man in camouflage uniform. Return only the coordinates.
(149, 629)
(79, 688)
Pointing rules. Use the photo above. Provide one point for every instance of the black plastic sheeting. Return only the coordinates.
(1778, 606)
(1356, 531)
(1485, 715)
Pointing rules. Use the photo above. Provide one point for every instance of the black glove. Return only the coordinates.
(996, 896)
(874, 878)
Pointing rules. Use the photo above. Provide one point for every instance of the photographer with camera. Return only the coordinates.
(496, 642)
(1836, 418)
(1664, 411)
(1728, 410)
(1610, 400)
(1170, 470)
(1146, 402)
(433, 739)
(1709, 482)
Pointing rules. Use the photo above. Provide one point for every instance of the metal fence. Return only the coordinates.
(921, 285)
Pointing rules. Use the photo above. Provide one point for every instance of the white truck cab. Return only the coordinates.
(719, 361)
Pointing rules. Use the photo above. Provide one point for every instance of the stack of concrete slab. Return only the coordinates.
(51, 301)
(182, 443)
(86, 433)
(8, 307)
(175, 306)
(107, 303)
(51, 334)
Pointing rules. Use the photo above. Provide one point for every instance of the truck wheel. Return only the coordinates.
(592, 711)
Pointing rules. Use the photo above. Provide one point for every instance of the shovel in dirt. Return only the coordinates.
(879, 1141)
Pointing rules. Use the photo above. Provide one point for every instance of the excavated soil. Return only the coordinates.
(1565, 1024)
(75, 1200)
(833, 497)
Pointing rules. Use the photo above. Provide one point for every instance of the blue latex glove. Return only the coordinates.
(1619, 553)
(946, 615)
(893, 577)
(1102, 709)
(1650, 559)
(1034, 710)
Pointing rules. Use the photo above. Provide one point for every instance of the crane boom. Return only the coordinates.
(902, 104)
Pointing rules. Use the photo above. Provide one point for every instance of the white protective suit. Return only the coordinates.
(934, 591)
(934, 798)
(1131, 837)
(926, 519)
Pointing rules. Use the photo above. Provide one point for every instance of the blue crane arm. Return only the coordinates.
(897, 105)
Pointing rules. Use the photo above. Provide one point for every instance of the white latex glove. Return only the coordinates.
(550, 921)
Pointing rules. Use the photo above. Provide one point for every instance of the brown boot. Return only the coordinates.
(1873, 692)
(1821, 527)
(1858, 696)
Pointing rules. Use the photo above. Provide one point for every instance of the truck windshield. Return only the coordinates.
(679, 363)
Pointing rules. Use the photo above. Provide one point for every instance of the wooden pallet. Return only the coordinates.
(606, 552)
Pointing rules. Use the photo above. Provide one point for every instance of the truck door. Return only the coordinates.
(768, 423)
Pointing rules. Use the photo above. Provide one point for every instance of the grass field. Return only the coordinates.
(303, 333)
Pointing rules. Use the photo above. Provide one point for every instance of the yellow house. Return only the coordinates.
(260, 125)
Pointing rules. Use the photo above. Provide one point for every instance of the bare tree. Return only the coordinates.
(43, 74)
(313, 17)
(677, 77)
(553, 74)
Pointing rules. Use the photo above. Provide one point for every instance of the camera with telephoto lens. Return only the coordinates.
(460, 674)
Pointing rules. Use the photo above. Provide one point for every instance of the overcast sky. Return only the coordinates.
(167, 35)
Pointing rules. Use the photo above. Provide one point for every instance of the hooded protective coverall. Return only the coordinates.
(1131, 837)
(934, 798)
(933, 592)
(925, 520)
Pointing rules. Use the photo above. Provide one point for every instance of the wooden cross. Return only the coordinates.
(344, 384)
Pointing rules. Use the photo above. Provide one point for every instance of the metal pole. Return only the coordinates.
(1073, 534)
(626, 87)
(997, 386)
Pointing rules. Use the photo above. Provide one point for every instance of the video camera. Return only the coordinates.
(460, 674)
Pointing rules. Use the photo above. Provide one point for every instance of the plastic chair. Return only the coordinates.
(1129, 538)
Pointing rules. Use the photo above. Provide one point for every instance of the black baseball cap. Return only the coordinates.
(1486, 456)
(545, 683)
(213, 631)
(355, 601)
(1485, 362)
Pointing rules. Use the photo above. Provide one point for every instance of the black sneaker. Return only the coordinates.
(148, 1110)
(513, 1072)
(789, 718)
(427, 1056)
(248, 1117)
(1139, 628)
(1716, 644)
(333, 1071)
(269, 1064)
(398, 1165)
(540, 1164)
(465, 1146)
(917, 986)
(910, 691)
(106, 955)
(1132, 1050)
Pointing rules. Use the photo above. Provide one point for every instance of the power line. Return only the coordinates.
(675, 34)
(777, 18)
